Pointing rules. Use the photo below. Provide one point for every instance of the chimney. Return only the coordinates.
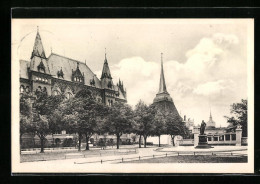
(184, 117)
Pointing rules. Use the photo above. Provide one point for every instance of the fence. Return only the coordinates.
(175, 153)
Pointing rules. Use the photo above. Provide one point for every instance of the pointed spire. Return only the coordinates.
(38, 49)
(162, 86)
(210, 116)
(105, 55)
(106, 72)
(77, 65)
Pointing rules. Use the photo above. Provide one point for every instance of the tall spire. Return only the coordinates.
(106, 72)
(38, 49)
(105, 55)
(162, 85)
(210, 116)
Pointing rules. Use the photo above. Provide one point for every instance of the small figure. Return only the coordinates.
(202, 127)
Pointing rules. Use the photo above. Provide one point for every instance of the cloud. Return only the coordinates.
(211, 76)
(219, 88)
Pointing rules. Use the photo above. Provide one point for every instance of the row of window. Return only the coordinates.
(68, 95)
(41, 79)
(77, 79)
(110, 102)
(24, 89)
(222, 138)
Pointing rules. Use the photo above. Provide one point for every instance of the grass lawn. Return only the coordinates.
(73, 154)
(194, 159)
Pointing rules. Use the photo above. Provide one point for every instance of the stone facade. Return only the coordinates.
(58, 74)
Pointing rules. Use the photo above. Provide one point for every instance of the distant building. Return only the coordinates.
(163, 101)
(216, 135)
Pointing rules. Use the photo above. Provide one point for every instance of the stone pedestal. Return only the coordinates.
(203, 142)
(196, 139)
(238, 135)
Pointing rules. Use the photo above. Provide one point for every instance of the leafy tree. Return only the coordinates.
(160, 125)
(119, 120)
(239, 116)
(144, 120)
(42, 113)
(25, 115)
(82, 115)
(175, 126)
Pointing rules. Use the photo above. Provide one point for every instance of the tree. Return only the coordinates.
(239, 116)
(175, 126)
(160, 125)
(25, 115)
(144, 124)
(119, 120)
(82, 114)
(42, 121)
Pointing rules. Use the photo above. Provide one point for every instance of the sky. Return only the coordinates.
(205, 60)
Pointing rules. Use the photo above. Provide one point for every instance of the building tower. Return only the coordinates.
(107, 84)
(39, 73)
(211, 123)
(163, 100)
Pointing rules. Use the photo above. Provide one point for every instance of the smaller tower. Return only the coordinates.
(211, 123)
(106, 79)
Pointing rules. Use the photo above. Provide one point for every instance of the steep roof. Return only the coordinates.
(38, 47)
(121, 96)
(56, 61)
(23, 69)
(106, 71)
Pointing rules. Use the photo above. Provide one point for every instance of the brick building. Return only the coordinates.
(58, 74)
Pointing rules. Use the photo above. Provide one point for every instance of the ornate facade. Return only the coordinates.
(58, 74)
(61, 75)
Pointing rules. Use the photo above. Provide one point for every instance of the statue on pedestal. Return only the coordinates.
(202, 127)
(203, 142)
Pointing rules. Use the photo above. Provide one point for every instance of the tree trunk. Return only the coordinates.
(159, 140)
(140, 137)
(87, 145)
(79, 149)
(117, 141)
(145, 137)
(42, 144)
(172, 136)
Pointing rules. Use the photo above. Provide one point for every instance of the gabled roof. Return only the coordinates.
(56, 61)
(38, 61)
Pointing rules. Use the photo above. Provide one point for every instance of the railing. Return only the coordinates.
(175, 153)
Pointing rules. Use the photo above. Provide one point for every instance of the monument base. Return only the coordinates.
(203, 143)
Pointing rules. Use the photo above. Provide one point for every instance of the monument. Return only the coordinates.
(203, 142)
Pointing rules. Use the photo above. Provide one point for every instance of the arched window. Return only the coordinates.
(55, 93)
(68, 95)
(27, 89)
(111, 102)
(44, 90)
(21, 88)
